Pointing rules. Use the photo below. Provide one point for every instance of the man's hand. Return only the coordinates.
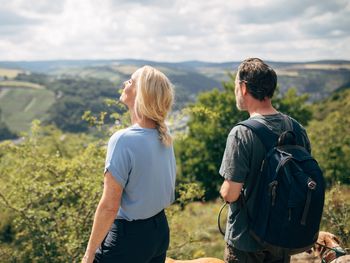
(230, 191)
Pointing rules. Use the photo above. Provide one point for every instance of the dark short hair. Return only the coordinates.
(260, 78)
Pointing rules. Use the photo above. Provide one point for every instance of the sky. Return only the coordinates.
(175, 30)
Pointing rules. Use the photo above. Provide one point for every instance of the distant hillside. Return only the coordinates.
(59, 81)
(188, 83)
(318, 78)
(20, 105)
(338, 101)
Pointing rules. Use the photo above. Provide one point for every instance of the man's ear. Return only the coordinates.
(244, 89)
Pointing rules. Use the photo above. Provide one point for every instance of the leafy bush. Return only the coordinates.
(330, 137)
(336, 213)
(52, 187)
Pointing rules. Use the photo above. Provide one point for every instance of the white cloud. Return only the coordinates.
(174, 30)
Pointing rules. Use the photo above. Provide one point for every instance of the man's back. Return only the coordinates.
(242, 160)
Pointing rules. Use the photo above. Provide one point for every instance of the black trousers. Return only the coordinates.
(233, 255)
(139, 241)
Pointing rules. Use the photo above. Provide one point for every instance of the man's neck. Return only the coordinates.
(261, 108)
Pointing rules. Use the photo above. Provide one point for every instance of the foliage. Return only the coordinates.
(187, 193)
(37, 78)
(199, 153)
(75, 96)
(193, 225)
(5, 132)
(50, 192)
(52, 186)
(330, 137)
(336, 214)
(295, 105)
(98, 124)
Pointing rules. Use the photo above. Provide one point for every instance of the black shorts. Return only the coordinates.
(139, 241)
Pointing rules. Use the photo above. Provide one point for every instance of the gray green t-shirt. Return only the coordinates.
(241, 163)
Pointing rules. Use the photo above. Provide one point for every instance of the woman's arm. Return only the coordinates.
(104, 216)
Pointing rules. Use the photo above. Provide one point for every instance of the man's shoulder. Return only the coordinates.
(242, 134)
(297, 123)
(240, 131)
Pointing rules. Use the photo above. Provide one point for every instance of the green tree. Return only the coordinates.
(294, 105)
(330, 137)
(75, 96)
(199, 153)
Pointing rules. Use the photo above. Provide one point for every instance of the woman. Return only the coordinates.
(130, 224)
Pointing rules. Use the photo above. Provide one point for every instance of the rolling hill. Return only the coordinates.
(26, 92)
(20, 105)
(318, 78)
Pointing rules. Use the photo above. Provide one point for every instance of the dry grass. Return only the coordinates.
(20, 84)
(194, 231)
(9, 73)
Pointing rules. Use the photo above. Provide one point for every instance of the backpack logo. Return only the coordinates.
(290, 198)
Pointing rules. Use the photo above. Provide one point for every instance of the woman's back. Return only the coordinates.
(145, 167)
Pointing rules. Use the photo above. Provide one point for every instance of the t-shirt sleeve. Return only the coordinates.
(118, 160)
(235, 164)
(305, 139)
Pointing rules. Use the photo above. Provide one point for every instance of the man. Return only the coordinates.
(254, 87)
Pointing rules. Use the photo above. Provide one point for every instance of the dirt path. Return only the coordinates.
(305, 258)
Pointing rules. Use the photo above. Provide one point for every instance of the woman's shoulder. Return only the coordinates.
(120, 136)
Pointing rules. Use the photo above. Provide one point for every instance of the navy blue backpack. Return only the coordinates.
(289, 203)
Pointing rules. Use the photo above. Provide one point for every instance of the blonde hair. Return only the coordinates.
(154, 99)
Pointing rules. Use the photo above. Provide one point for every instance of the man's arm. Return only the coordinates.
(230, 190)
(104, 216)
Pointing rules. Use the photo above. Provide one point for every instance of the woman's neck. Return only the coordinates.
(143, 122)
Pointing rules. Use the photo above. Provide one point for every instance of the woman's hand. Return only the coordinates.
(88, 258)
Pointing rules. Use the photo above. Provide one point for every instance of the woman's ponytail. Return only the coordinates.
(164, 135)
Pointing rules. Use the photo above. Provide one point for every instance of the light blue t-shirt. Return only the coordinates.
(146, 170)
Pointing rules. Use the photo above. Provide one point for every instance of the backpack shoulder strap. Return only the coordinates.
(266, 136)
(298, 132)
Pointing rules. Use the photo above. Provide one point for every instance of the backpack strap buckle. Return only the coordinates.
(311, 184)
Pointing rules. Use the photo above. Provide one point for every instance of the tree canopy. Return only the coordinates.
(330, 136)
